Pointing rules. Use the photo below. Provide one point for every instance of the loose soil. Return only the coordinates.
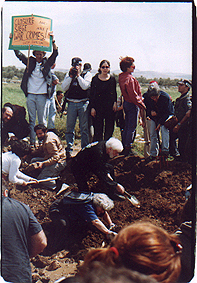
(159, 188)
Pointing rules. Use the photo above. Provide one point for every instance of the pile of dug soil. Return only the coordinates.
(159, 188)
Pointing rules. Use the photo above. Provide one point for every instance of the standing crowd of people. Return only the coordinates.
(142, 247)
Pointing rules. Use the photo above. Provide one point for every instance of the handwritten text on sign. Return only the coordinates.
(31, 30)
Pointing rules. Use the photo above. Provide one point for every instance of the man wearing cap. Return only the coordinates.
(182, 106)
(158, 109)
(37, 84)
(76, 88)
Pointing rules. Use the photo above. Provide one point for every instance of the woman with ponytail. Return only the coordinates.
(142, 247)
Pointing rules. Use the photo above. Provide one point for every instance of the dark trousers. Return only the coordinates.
(182, 137)
(104, 126)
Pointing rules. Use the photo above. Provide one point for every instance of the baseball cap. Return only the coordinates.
(76, 60)
(186, 82)
(153, 85)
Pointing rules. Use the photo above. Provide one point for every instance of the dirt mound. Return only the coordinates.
(159, 188)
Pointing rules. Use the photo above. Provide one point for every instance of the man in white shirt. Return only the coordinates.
(77, 98)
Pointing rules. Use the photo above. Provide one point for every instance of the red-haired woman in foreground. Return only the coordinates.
(142, 247)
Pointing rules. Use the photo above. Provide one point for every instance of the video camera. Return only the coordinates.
(75, 62)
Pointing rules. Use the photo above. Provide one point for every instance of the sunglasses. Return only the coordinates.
(105, 67)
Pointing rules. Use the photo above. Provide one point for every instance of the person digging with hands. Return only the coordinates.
(94, 159)
(54, 160)
(76, 210)
(11, 162)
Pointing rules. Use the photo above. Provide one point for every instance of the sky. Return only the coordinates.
(157, 35)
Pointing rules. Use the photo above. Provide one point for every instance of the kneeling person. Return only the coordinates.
(78, 209)
(94, 158)
(54, 159)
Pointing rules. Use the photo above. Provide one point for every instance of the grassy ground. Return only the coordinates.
(12, 93)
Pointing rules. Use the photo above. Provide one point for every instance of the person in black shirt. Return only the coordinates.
(94, 159)
(103, 102)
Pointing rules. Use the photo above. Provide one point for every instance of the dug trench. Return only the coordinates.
(160, 188)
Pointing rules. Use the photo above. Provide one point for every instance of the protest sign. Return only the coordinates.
(31, 32)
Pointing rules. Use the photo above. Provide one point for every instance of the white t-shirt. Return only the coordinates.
(36, 82)
(10, 165)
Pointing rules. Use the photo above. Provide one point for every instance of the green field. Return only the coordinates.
(12, 93)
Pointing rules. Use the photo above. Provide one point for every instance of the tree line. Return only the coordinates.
(11, 72)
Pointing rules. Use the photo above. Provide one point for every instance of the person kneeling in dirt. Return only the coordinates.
(76, 209)
(94, 159)
(54, 160)
(11, 162)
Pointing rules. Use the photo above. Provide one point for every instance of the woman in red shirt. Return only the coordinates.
(133, 101)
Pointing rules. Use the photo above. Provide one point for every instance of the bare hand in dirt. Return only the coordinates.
(111, 235)
(120, 188)
(112, 226)
(93, 112)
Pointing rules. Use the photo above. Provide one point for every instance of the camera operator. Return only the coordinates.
(76, 88)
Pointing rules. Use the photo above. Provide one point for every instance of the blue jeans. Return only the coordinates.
(154, 145)
(131, 114)
(35, 104)
(77, 109)
(50, 112)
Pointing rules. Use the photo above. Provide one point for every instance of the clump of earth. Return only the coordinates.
(160, 188)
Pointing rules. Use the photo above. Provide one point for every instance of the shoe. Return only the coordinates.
(150, 158)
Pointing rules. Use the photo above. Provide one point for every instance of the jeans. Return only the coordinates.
(50, 112)
(131, 114)
(154, 146)
(35, 103)
(77, 109)
(49, 171)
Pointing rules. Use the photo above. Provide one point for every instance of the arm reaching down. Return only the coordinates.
(38, 243)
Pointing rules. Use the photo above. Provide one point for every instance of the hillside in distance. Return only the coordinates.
(146, 74)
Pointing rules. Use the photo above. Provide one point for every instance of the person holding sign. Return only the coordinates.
(37, 84)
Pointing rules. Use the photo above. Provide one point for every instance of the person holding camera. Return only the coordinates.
(76, 88)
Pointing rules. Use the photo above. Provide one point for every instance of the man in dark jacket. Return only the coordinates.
(13, 121)
(182, 130)
(159, 108)
(37, 84)
(94, 159)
